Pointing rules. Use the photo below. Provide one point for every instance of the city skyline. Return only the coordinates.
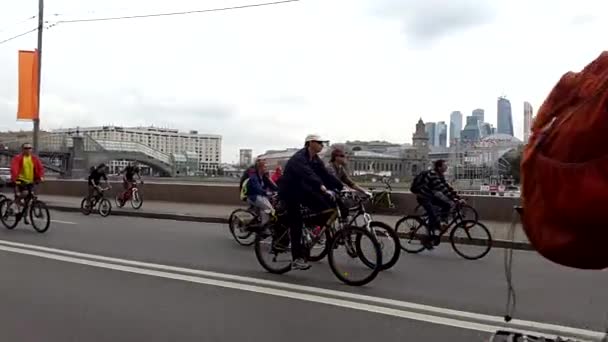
(236, 81)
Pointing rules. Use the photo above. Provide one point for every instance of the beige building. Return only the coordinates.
(374, 158)
(206, 147)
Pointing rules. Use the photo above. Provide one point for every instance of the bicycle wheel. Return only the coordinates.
(9, 211)
(411, 230)
(40, 216)
(321, 248)
(469, 213)
(105, 207)
(136, 200)
(346, 238)
(119, 201)
(389, 244)
(471, 240)
(85, 206)
(274, 258)
(238, 222)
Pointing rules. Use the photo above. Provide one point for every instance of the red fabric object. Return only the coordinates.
(278, 172)
(17, 164)
(565, 171)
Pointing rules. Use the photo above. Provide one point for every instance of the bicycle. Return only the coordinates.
(104, 207)
(275, 244)
(131, 194)
(240, 220)
(382, 198)
(467, 212)
(410, 226)
(384, 233)
(32, 206)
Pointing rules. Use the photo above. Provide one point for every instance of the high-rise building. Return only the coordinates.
(504, 117)
(245, 157)
(480, 114)
(442, 134)
(471, 132)
(455, 127)
(528, 112)
(207, 147)
(431, 131)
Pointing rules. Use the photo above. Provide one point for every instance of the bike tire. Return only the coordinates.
(466, 226)
(411, 233)
(260, 244)
(245, 239)
(84, 208)
(338, 239)
(5, 205)
(474, 215)
(107, 204)
(140, 200)
(41, 206)
(388, 261)
(324, 250)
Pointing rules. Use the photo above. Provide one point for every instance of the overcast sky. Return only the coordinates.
(265, 77)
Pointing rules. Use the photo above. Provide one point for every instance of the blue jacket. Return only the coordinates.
(257, 186)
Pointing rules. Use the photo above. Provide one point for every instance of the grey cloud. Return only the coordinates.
(425, 21)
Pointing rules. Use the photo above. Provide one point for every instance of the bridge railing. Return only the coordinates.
(131, 146)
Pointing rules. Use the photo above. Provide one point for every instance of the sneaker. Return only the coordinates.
(300, 264)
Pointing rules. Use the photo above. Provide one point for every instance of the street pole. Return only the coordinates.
(40, 28)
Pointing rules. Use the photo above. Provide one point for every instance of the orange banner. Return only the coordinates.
(28, 86)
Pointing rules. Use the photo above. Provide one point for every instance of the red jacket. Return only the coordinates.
(17, 164)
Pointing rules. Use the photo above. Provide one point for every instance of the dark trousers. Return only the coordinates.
(316, 203)
(429, 203)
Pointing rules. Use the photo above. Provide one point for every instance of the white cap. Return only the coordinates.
(314, 137)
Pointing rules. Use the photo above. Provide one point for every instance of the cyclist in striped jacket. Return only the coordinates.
(432, 190)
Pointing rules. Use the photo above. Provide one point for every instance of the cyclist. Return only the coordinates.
(306, 182)
(337, 168)
(432, 189)
(258, 185)
(26, 170)
(97, 174)
(129, 176)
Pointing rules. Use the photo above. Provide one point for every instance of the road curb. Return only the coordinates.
(143, 214)
(224, 220)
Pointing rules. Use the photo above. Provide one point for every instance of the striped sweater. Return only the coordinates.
(434, 182)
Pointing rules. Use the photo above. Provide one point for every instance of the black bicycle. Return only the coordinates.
(414, 230)
(104, 206)
(240, 221)
(273, 251)
(13, 211)
(467, 212)
(387, 237)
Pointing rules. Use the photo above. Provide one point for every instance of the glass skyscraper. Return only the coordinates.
(504, 119)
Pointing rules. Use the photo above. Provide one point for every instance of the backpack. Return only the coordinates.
(244, 190)
(418, 182)
(565, 171)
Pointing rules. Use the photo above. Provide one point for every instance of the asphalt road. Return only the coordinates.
(187, 281)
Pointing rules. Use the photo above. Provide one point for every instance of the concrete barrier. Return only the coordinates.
(489, 207)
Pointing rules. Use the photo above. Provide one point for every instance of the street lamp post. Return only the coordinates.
(40, 28)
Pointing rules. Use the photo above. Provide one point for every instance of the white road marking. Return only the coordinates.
(63, 222)
(420, 312)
